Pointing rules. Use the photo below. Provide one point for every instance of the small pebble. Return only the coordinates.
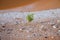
(27, 31)
(3, 26)
(2, 30)
(59, 30)
(20, 29)
(34, 34)
(54, 26)
(23, 28)
(52, 37)
(58, 34)
(41, 27)
(9, 31)
(45, 37)
(17, 22)
(58, 21)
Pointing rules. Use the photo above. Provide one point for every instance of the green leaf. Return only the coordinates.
(30, 17)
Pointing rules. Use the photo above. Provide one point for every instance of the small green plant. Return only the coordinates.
(30, 17)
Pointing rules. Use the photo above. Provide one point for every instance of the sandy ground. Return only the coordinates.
(30, 31)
